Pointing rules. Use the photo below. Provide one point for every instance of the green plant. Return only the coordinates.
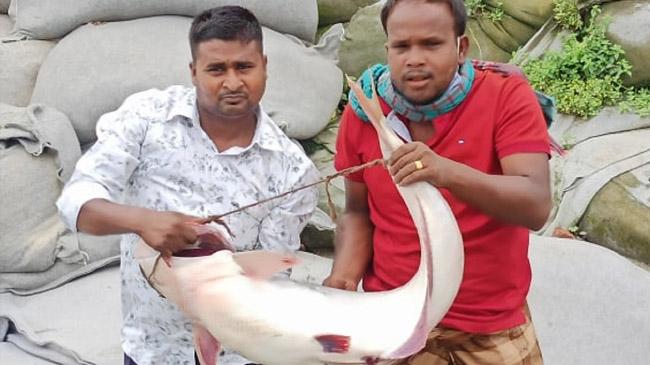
(566, 13)
(587, 74)
(637, 101)
(478, 8)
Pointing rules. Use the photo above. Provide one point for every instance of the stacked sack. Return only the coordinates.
(497, 40)
(630, 28)
(601, 186)
(59, 74)
(627, 26)
(80, 62)
(38, 151)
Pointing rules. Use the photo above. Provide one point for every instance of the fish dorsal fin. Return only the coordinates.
(263, 264)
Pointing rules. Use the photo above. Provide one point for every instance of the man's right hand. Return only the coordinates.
(165, 232)
(168, 232)
(340, 283)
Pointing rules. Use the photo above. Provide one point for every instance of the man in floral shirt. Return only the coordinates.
(168, 158)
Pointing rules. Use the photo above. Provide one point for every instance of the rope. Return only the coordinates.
(326, 180)
(218, 218)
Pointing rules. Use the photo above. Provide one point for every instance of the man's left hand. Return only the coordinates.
(415, 162)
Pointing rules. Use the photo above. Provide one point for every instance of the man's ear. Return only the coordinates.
(463, 48)
(193, 72)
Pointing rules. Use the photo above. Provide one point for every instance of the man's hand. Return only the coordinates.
(168, 232)
(415, 162)
(340, 283)
(505, 69)
(165, 232)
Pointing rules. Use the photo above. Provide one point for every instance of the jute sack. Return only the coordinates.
(98, 252)
(481, 46)
(305, 84)
(549, 38)
(53, 19)
(339, 11)
(319, 232)
(534, 13)
(38, 151)
(4, 6)
(363, 41)
(630, 28)
(6, 24)
(20, 62)
(122, 58)
(508, 33)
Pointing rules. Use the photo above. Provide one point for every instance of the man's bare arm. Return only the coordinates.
(353, 242)
(166, 232)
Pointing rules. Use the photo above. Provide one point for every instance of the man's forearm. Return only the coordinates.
(353, 246)
(102, 217)
(514, 199)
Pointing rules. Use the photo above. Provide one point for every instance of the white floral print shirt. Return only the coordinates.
(153, 153)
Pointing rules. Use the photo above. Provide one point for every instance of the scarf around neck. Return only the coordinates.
(380, 74)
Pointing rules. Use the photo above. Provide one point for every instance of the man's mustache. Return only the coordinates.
(232, 95)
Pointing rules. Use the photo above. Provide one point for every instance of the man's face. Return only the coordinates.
(423, 50)
(229, 76)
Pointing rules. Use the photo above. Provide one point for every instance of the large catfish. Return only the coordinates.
(274, 322)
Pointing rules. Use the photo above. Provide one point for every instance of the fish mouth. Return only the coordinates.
(200, 251)
(210, 239)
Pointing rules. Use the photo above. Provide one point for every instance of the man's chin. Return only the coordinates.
(420, 99)
(235, 111)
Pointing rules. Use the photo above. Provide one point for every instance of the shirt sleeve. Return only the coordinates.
(103, 171)
(521, 127)
(280, 229)
(346, 142)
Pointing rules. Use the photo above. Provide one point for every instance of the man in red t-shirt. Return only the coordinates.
(481, 139)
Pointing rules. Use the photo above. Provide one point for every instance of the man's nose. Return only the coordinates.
(415, 57)
(232, 82)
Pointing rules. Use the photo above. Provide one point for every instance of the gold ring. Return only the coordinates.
(418, 164)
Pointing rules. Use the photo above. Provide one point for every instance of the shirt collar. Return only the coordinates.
(183, 105)
(267, 133)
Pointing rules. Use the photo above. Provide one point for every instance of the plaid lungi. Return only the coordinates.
(515, 346)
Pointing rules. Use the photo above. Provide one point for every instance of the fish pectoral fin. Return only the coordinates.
(207, 347)
(334, 343)
(263, 264)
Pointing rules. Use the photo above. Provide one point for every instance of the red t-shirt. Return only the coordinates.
(499, 117)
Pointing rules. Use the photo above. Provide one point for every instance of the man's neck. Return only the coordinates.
(229, 132)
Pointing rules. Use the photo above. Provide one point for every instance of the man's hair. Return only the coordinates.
(457, 9)
(226, 23)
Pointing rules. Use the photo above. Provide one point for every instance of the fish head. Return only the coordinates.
(162, 275)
